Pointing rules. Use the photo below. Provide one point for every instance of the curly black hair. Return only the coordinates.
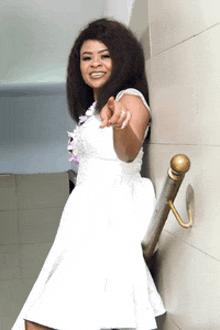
(128, 66)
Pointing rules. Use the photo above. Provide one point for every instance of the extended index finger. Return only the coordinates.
(105, 115)
(116, 109)
(111, 103)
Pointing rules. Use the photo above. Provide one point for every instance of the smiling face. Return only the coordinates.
(95, 64)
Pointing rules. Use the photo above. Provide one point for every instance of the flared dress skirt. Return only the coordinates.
(94, 276)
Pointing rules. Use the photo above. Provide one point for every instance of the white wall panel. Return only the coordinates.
(173, 22)
(184, 86)
(174, 96)
(189, 283)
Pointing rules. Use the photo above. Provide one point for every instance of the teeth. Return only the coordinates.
(97, 74)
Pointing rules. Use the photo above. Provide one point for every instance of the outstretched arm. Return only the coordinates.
(130, 118)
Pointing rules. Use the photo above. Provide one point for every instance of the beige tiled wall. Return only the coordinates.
(183, 74)
(30, 210)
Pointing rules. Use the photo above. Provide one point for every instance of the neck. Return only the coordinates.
(95, 93)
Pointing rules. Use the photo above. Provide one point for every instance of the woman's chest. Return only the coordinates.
(95, 141)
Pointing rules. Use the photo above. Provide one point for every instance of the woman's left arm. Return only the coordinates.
(130, 119)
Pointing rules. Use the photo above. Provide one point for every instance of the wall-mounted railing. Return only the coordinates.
(179, 165)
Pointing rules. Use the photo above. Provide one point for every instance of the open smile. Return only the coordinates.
(97, 75)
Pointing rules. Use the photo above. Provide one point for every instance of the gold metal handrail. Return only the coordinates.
(179, 165)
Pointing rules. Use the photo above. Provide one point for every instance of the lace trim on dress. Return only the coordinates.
(73, 136)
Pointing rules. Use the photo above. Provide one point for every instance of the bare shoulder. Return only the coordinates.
(138, 110)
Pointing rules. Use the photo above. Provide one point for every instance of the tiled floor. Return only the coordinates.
(30, 210)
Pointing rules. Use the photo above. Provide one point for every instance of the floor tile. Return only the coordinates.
(39, 226)
(32, 259)
(10, 262)
(8, 227)
(8, 200)
(39, 191)
(11, 297)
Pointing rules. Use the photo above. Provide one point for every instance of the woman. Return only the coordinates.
(94, 276)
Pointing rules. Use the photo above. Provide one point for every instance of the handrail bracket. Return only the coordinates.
(178, 217)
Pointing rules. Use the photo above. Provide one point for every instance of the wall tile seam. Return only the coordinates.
(18, 225)
(14, 278)
(191, 245)
(63, 173)
(41, 208)
(32, 278)
(10, 280)
(175, 324)
(185, 40)
(8, 244)
(38, 243)
(18, 228)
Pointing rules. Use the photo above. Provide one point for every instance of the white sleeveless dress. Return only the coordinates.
(94, 276)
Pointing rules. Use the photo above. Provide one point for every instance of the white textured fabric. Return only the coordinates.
(94, 276)
(135, 92)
